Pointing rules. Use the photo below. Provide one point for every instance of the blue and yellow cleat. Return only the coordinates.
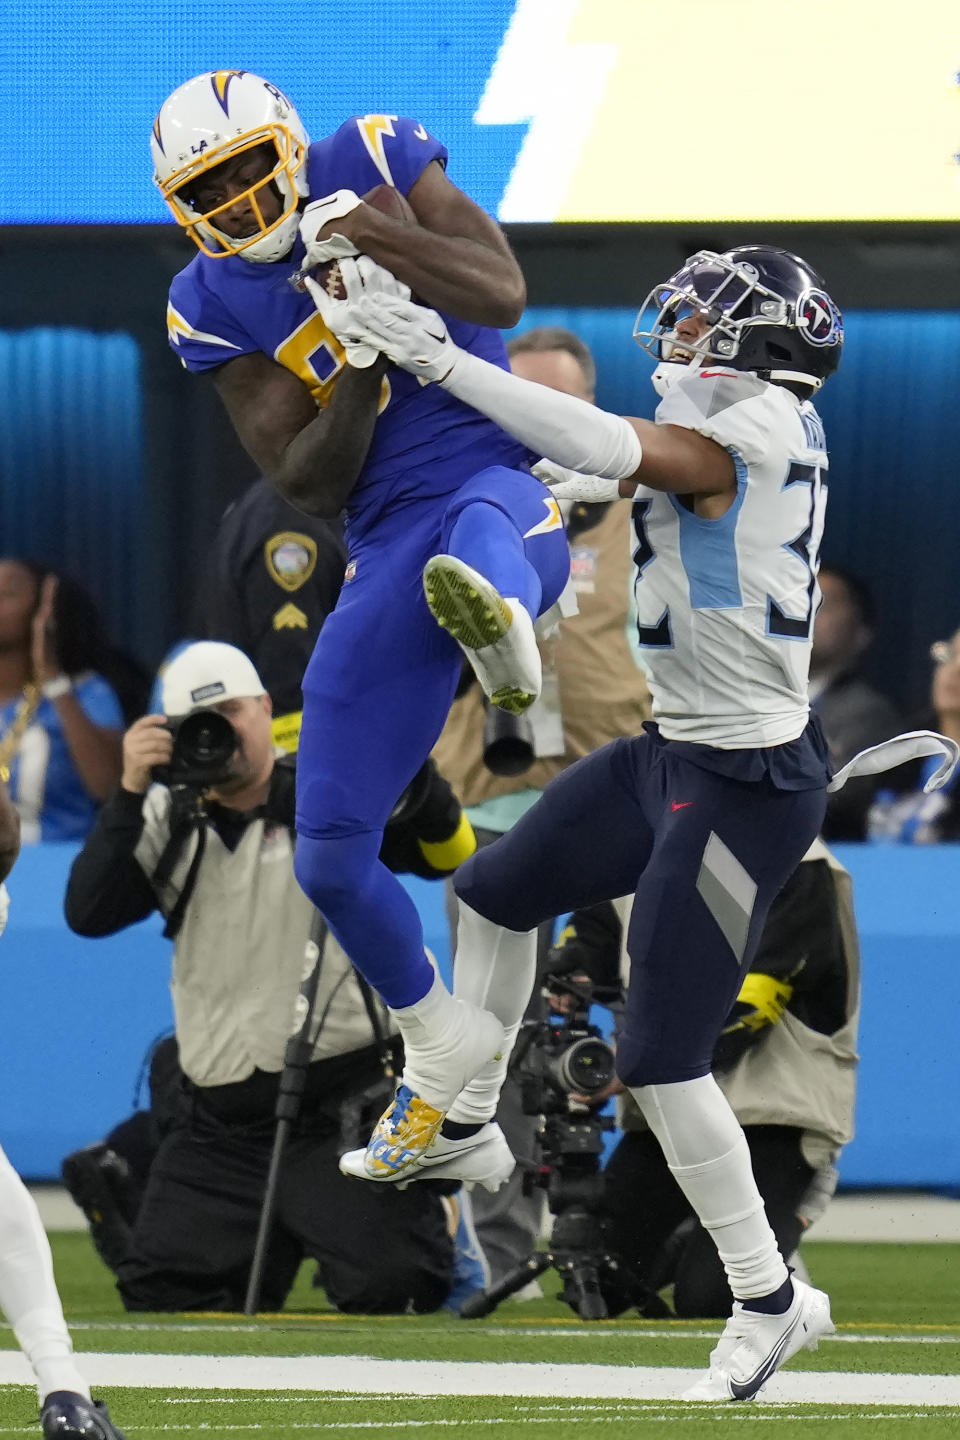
(483, 1159)
(407, 1128)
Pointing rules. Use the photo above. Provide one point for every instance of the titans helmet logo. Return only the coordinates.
(819, 318)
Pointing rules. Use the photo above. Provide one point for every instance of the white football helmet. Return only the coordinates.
(206, 121)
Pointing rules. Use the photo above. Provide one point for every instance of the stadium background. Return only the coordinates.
(598, 116)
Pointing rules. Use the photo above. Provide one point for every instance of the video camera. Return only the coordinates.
(560, 1056)
(204, 743)
(556, 1058)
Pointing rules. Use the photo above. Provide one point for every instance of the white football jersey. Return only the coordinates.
(725, 607)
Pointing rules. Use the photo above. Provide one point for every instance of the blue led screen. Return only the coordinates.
(83, 81)
(551, 109)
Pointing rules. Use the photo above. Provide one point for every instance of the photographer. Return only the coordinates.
(787, 1064)
(212, 847)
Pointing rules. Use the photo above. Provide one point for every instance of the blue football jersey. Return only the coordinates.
(425, 443)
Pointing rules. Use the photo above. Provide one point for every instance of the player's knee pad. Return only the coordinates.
(333, 871)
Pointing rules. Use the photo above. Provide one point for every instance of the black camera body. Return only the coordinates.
(556, 1057)
(563, 1055)
(204, 744)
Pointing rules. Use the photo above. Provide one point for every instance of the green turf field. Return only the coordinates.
(892, 1370)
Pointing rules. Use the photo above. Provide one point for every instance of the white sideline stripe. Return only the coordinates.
(585, 1331)
(360, 1374)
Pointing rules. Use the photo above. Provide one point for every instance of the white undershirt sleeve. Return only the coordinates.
(559, 426)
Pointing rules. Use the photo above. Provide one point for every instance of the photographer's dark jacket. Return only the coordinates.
(238, 958)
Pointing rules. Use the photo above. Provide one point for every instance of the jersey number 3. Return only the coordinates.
(806, 547)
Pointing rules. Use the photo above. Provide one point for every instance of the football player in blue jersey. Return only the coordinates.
(706, 815)
(451, 539)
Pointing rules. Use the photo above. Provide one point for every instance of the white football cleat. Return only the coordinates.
(484, 1159)
(436, 1068)
(753, 1346)
(495, 634)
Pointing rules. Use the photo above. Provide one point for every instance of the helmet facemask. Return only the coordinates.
(273, 239)
(729, 296)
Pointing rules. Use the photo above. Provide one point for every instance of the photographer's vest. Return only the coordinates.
(602, 691)
(794, 1075)
(238, 959)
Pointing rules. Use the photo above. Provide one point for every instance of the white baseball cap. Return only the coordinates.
(205, 673)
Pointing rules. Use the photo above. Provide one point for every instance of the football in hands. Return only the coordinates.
(383, 198)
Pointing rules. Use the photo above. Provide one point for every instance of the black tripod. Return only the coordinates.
(293, 1078)
(569, 1172)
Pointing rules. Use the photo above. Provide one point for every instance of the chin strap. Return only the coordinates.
(793, 377)
(912, 745)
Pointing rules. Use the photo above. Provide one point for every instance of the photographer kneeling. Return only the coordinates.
(212, 848)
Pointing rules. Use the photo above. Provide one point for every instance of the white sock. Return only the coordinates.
(495, 968)
(28, 1291)
(445, 1042)
(708, 1157)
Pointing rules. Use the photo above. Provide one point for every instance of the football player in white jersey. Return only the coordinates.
(706, 815)
(28, 1291)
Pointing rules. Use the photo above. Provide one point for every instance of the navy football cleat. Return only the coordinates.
(69, 1416)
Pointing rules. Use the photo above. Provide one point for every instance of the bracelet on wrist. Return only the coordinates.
(56, 688)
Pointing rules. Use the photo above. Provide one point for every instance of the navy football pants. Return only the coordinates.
(705, 856)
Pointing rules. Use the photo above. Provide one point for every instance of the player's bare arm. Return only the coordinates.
(685, 463)
(312, 457)
(464, 266)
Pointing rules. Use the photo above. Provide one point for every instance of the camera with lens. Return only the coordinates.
(556, 1058)
(561, 1056)
(508, 745)
(204, 743)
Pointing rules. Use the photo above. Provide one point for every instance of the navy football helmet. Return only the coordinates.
(767, 309)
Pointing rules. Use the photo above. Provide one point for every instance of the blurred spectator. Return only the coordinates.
(901, 811)
(593, 691)
(63, 695)
(854, 714)
(274, 577)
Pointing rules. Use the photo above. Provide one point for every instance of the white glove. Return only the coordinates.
(360, 277)
(414, 337)
(317, 214)
(572, 486)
